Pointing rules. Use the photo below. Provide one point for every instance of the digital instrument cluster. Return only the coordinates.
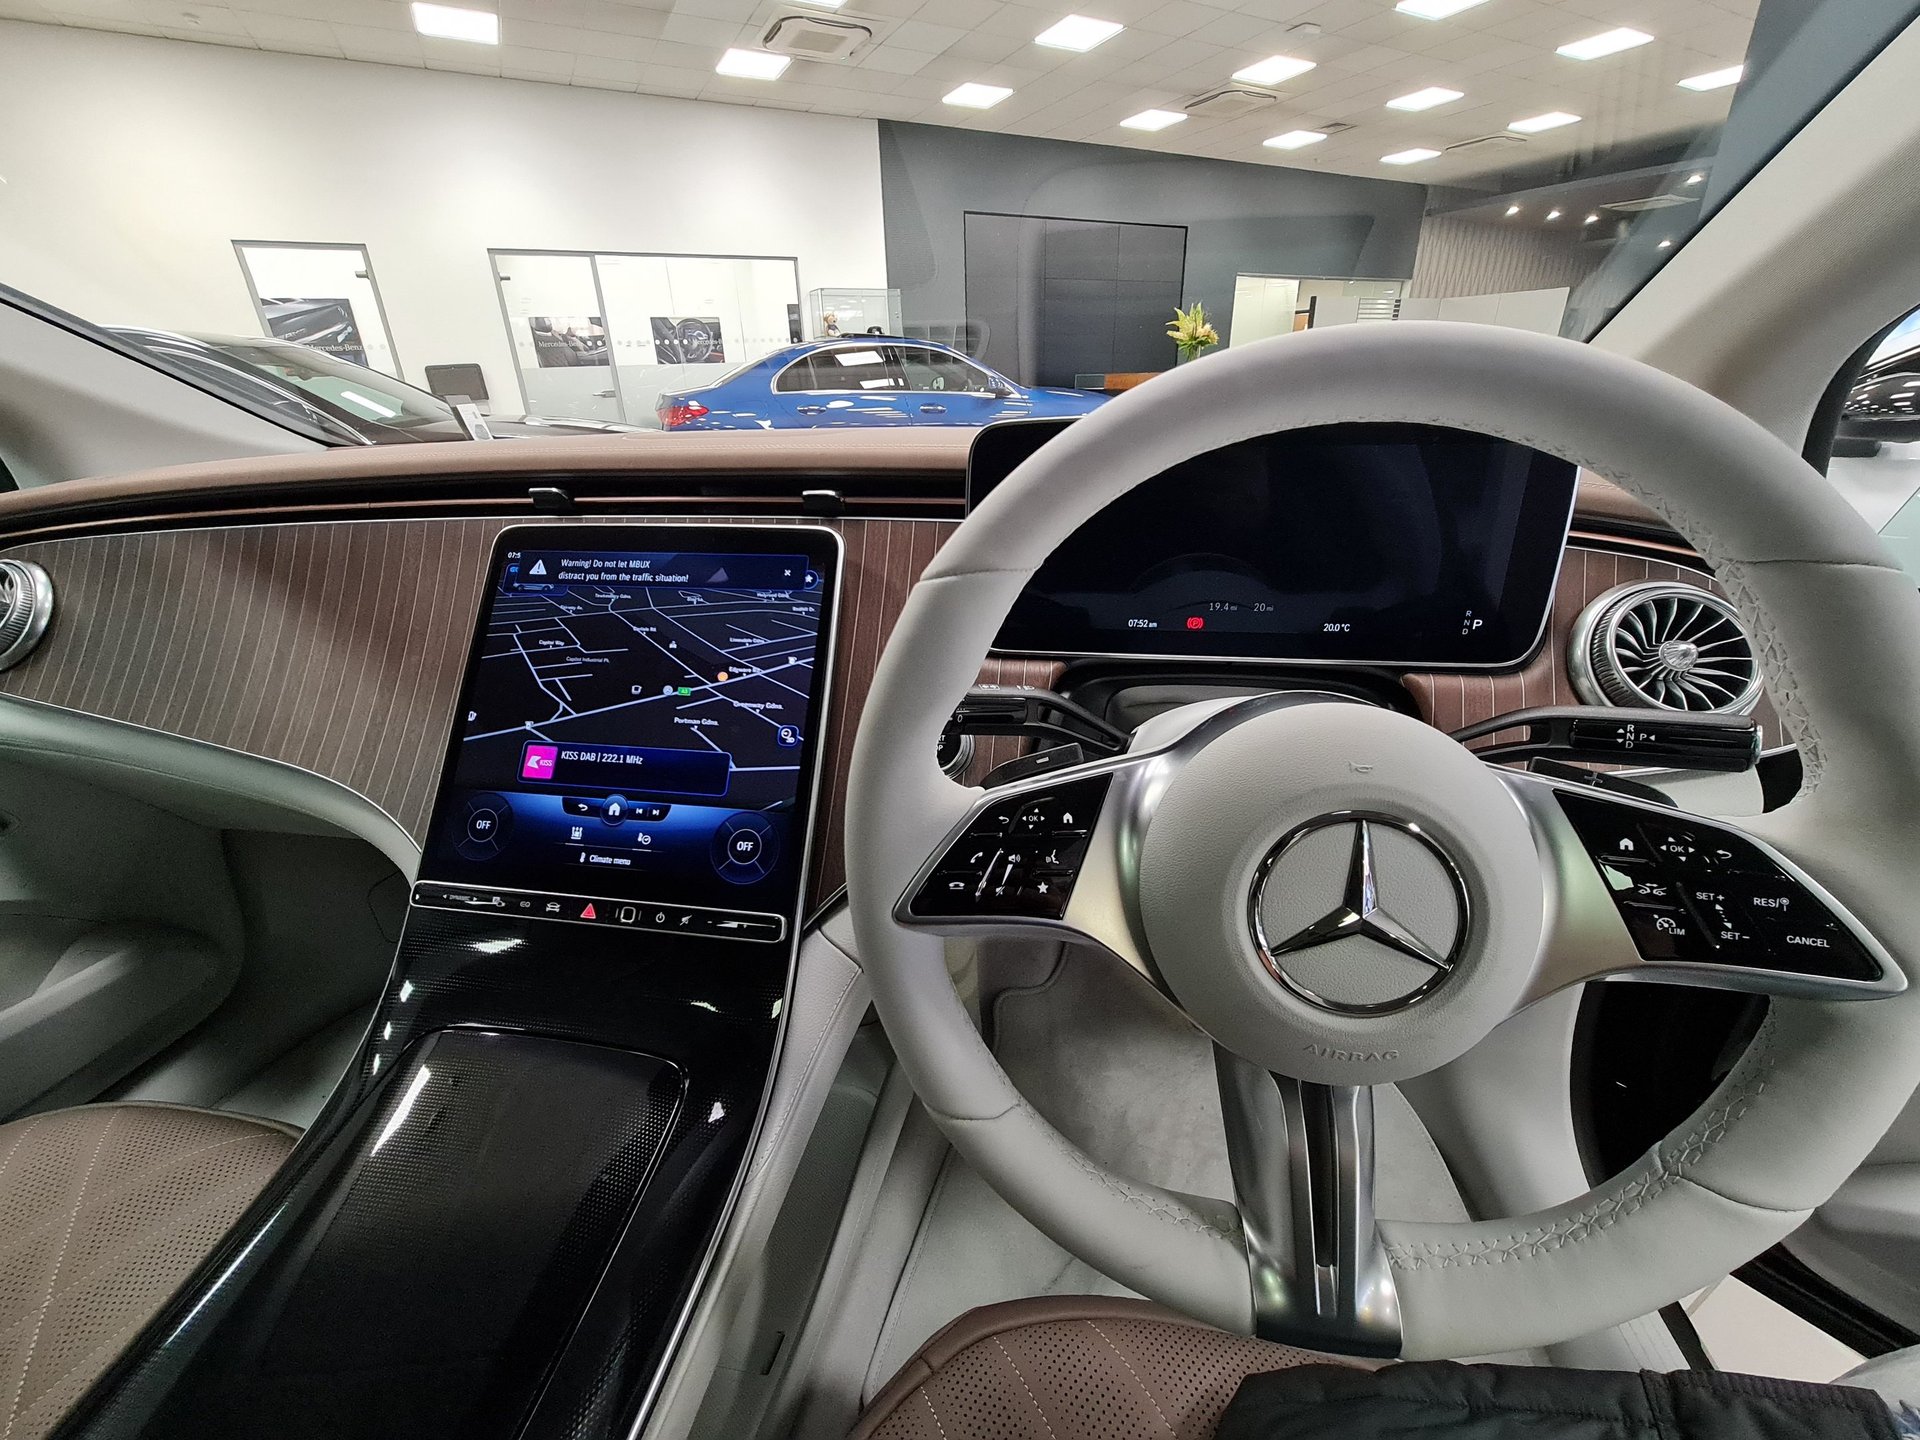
(1379, 544)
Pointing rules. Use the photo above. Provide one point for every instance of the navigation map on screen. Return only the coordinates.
(636, 723)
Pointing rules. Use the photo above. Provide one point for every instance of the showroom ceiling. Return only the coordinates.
(1500, 55)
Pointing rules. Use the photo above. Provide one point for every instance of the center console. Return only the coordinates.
(500, 1222)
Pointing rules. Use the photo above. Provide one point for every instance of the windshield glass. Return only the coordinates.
(352, 390)
(1075, 200)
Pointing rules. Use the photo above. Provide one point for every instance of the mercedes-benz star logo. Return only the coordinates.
(1429, 878)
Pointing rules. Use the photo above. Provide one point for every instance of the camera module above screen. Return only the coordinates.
(1401, 545)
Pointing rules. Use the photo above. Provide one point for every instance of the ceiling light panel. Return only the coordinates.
(972, 96)
(1435, 9)
(1610, 42)
(1552, 120)
(1273, 70)
(1409, 157)
(1426, 99)
(1295, 140)
(1712, 80)
(1078, 32)
(454, 22)
(1153, 120)
(752, 64)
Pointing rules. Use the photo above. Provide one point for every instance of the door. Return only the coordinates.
(844, 387)
(943, 389)
(556, 323)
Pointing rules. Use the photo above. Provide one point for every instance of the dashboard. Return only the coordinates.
(636, 736)
(319, 612)
(1373, 544)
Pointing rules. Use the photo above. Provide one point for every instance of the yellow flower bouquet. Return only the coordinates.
(1191, 332)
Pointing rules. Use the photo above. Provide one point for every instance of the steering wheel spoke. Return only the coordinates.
(1641, 891)
(1302, 1159)
(1045, 856)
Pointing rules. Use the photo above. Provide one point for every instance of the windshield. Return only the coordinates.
(607, 211)
(352, 391)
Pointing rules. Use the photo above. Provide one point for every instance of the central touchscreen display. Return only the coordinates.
(1383, 544)
(640, 719)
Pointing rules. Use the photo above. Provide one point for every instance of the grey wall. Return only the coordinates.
(1056, 299)
(1239, 217)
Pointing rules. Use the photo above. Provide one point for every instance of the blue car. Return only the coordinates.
(862, 380)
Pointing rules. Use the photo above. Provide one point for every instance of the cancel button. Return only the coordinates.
(1811, 943)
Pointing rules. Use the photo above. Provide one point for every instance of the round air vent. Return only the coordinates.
(26, 604)
(1665, 645)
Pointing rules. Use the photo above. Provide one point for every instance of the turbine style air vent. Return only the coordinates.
(1226, 103)
(1666, 645)
(816, 37)
(26, 605)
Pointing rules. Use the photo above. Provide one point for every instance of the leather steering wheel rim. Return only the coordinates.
(1837, 627)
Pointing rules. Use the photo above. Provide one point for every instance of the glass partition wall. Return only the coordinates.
(598, 336)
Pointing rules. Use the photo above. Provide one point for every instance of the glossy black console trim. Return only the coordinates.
(711, 1009)
(430, 1266)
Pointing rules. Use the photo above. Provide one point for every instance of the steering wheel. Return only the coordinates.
(1340, 896)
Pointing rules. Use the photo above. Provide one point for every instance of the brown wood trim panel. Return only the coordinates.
(1451, 701)
(337, 646)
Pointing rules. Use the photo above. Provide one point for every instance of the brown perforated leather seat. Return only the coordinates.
(104, 1211)
(1073, 1368)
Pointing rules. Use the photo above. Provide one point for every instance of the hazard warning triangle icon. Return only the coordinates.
(539, 568)
(588, 913)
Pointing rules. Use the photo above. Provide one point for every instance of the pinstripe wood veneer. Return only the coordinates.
(336, 646)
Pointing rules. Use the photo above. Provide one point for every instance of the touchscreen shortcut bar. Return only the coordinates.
(626, 767)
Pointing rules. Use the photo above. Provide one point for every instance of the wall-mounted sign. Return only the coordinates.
(327, 325)
(693, 340)
(562, 342)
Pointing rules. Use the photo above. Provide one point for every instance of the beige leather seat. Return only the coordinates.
(1073, 1367)
(104, 1211)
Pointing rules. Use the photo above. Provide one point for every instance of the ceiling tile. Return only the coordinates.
(894, 61)
(692, 30)
(1178, 17)
(919, 35)
(984, 47)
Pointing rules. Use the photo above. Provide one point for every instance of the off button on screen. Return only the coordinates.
(745, 848)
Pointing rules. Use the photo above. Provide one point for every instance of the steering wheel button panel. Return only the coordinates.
(1017, 857)
(1693, 893)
